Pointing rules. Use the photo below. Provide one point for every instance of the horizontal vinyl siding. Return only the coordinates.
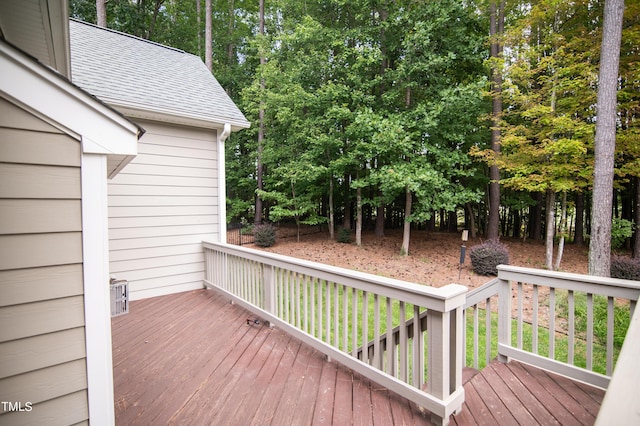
(161, 207)
(42, 338)
(35, 284)
(70, 409)
(26, 216)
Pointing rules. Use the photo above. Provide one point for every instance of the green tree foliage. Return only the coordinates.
(551, 77)
(374, 106)
(383, 110)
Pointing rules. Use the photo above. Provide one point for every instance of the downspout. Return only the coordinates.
(222, 190)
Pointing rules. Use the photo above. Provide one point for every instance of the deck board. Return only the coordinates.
(191, 358)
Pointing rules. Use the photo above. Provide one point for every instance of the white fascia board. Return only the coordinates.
(103, 130)
(193, 120)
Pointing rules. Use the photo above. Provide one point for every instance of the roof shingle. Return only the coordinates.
(130, 72)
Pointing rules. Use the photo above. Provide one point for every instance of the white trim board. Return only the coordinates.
(95, 241)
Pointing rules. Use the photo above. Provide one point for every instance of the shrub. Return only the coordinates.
(264, 235)
(487, 256)
(247, 230)
(621, 229)
(625, 268)
(344, 235)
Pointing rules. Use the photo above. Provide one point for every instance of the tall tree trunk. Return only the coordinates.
(347, 201)
(231, 57)
(535, 216)
(406, 233)
(517, 223)
(154, 19)
(626, 198)
(605, 139)
(359, 216)
(199, 23)
(380, 217)
(579, 236)
(332, 220)
(472, 221)
(208, 35)
(636, 215)
(563, 230)
(452, 222)
(495, 31)
(257, 220)
(101, 13)
(551, 227)
(230, 46)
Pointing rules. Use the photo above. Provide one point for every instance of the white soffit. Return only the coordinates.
(39, 27)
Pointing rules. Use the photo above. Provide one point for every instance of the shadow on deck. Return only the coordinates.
(192, 358)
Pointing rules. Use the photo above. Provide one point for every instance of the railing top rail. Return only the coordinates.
(479, 294)
(589, 283)
(443, 299)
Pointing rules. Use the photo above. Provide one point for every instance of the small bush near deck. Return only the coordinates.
(487, 256)
(625, 268)
(264, 235)
(344, 235)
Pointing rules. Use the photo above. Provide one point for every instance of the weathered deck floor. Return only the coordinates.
(191, 358)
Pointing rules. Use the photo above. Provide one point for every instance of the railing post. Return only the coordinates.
(446, 347)
(269, 279)
(504, 316)
(438, 331)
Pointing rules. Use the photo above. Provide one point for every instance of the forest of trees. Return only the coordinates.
(378, 114)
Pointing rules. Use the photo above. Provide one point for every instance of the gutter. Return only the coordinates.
(225, 132)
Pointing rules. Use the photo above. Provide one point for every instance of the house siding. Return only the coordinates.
(42, 339)
(161, 207)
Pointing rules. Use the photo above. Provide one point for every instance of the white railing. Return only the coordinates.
(567, 323)
(481, 302)
(378, 327)
(620, 404)
(570, 324)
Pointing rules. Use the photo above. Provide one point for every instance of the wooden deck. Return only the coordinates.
(191, 358)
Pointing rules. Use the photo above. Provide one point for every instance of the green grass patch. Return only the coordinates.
(561, 341)
(314, 295)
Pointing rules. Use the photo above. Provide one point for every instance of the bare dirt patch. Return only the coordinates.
(433, 256)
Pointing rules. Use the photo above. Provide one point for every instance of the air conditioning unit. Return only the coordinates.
(119, 297)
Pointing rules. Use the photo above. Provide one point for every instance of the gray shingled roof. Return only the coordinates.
(129, 72)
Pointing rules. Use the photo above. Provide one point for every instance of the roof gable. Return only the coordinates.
(148, 80)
